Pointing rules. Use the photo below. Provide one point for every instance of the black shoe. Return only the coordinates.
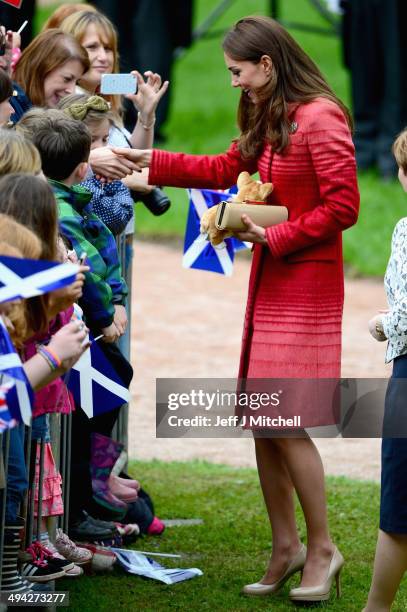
(44, 572)
(156, 201)
(99, 523)
(89, 529)
(39, 566)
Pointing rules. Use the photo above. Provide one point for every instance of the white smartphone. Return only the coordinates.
(117, 84)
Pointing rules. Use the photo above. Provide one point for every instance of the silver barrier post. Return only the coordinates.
(3, 492)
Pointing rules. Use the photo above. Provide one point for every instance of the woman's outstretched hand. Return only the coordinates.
(112, 163)
(139, 157)
(253, 233)
(149, 93)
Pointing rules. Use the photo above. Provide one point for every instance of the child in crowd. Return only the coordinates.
(111, 201)
(391, 551)
(18, 154)
(64, 145)
(25, 244)
(29, 199)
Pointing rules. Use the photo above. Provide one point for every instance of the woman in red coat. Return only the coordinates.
(295, 132)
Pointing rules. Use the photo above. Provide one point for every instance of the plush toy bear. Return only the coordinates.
(248, 189)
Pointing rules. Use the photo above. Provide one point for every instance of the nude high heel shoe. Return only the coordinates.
(295, 565)
(322, 592)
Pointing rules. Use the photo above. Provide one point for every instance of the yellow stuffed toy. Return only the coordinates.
(248, 189)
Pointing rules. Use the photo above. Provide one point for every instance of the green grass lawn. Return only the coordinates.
(203, 121)
(233, 544)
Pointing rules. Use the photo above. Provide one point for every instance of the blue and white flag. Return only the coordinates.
(198, 251)
(25, 278)
(95, 384)
(6, 420)
(16, 394)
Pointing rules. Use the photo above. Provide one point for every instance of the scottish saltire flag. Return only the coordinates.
(6, 420)
(16, 394)
(198, 251)
(95, 384)
(25, 278)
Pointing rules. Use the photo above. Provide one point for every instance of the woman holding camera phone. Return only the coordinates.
(296, 133)
(97, 35)
(47, 71)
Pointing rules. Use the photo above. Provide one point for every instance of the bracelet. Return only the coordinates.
(47, 359)
(50, 357)
(146, 127)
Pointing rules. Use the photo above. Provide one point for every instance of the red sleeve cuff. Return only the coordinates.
(157, 165)
(276, 237)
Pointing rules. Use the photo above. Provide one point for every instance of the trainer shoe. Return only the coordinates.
(69, 550)
(38, 566)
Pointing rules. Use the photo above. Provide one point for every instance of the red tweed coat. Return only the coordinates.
(293, 319)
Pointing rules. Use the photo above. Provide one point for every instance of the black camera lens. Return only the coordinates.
(156, 201)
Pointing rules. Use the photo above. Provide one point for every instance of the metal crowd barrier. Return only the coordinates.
(60, 434)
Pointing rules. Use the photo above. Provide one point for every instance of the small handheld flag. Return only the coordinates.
(94, 383)
(198, 251)
(25, 278)
(16, 394)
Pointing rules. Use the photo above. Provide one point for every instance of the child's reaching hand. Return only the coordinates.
(61, 299)
(110, 333)
(120, 318)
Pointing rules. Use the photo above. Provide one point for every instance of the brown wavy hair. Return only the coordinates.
(24, 244)
(295, 78)
(48, 51)
(17, 154)
(62, 12)
(29, 200)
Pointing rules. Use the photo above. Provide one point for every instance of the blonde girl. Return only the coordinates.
(18, 154)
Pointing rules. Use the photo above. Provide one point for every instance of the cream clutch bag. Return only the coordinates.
(228, 216)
